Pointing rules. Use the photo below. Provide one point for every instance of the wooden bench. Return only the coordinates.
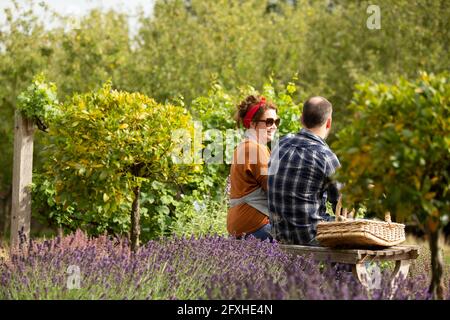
(402, 255)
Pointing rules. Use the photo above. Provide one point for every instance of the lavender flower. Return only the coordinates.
(211, 267)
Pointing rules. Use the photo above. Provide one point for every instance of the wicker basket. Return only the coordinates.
(359, 232)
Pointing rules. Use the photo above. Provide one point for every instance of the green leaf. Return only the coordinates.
(163, 210)
(103, 175)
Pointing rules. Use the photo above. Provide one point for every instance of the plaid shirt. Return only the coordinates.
(300, 171)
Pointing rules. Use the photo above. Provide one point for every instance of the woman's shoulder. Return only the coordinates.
(250, 143)
(253, 147)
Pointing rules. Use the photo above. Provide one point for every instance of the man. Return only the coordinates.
(300, 177)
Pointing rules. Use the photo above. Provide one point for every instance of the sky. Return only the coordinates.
(80, 7)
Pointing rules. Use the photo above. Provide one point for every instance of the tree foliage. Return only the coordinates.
(89, 53)
(22, 56)
(103, 145)
(396, 154)
(38, 101)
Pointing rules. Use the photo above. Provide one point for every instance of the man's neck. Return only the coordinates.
(321, 132)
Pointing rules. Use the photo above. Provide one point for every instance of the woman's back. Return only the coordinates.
(248, 212)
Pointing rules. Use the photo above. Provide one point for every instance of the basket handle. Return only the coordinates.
(387, 217)
(338, 208)
(351, 214)
(344, 212)
(341, 213)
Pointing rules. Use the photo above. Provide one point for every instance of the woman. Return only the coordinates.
(248, 213)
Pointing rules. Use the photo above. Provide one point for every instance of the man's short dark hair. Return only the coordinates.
(316, 111)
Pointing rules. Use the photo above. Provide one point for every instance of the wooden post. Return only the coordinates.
(22, 174)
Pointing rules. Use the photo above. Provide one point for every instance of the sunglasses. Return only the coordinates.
(270, 121)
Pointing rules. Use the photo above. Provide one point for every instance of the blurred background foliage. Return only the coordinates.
(396, 155)
(206, 55)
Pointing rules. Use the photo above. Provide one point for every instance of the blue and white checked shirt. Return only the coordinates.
(300, 171)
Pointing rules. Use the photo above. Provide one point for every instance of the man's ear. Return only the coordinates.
(328, 126)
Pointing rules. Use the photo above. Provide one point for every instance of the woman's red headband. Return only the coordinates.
(250, 113)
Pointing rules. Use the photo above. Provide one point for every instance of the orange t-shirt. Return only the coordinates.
(248, 173)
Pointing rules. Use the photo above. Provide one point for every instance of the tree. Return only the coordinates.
(102, 148)
(396, 155)
(90, 53)
(180, 50)
(24, 51)
(237, 43)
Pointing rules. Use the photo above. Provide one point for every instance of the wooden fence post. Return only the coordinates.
(22, 174)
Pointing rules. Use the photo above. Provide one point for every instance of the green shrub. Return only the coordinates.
(103, 145)
(395, 156)
(201, 218)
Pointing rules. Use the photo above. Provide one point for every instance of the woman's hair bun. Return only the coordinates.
(244, 106)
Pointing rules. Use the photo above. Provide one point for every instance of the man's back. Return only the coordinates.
(299, 182)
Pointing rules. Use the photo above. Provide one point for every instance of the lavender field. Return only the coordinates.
(211, 267)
